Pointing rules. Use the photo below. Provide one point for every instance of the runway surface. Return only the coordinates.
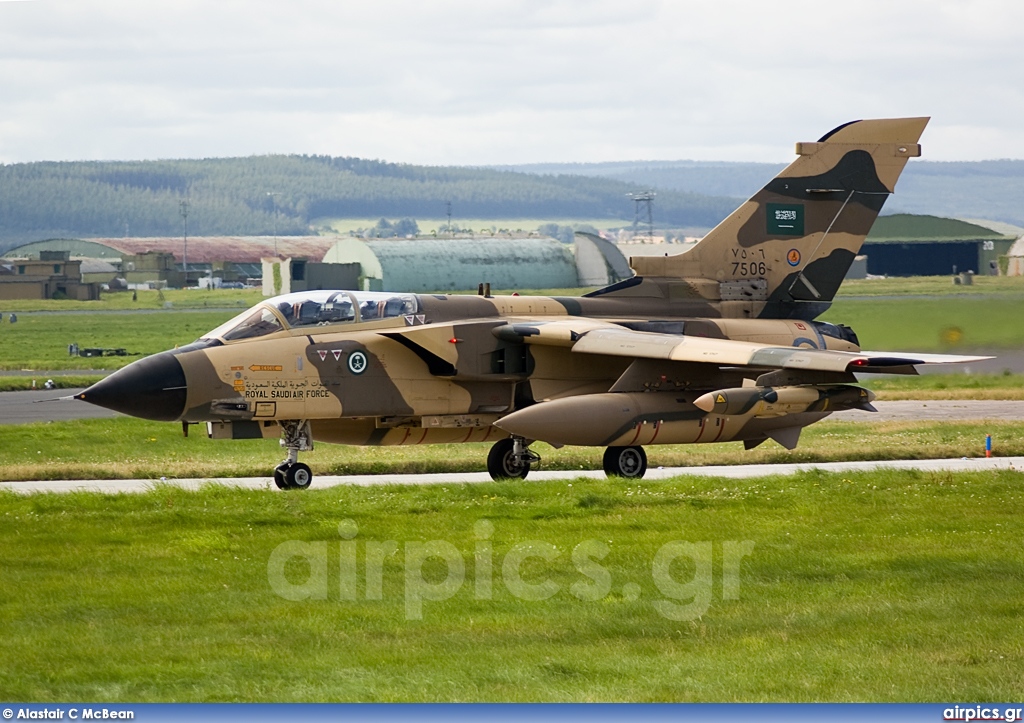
(747, 471)
(45, 405)
(41, 405)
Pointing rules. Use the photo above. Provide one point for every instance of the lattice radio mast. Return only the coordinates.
(643, 200)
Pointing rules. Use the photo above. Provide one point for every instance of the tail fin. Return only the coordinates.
(787, 249)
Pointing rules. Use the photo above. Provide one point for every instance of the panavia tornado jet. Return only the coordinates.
(715, 344)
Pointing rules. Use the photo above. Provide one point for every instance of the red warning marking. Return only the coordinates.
(700, 423)
(657, 428)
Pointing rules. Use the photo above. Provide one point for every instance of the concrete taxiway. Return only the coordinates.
(746, 471)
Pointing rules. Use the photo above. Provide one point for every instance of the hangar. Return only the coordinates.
(1013, 264)
(422, 263)
(917, 245)
(505, 262)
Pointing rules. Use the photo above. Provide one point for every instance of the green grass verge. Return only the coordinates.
(932, 324)
(122, 301)
(20, 384)
(40, 341)
(916, 323)
(947, 386)
(932, 286)
(135, 448)
(888, 586)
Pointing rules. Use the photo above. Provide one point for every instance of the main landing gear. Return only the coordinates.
(628, 462)
(511, 459)
(292, 474)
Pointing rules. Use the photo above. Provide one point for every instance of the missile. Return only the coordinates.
(777, 401)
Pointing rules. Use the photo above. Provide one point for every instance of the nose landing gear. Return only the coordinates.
(292, 474)
(511, 459)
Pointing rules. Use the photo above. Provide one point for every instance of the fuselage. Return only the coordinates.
(382, 368)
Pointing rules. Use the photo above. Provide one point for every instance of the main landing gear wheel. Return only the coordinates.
(510, 459)
(628, 462)
(296, 476)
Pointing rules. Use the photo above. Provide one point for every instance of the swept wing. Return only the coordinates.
(588, 336)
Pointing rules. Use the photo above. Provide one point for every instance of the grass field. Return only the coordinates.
(135, 448)
(930, 316)
(890, 586)
(168, 299)
(925, 324)
(886, 586)
(933, 286)
(930, 324)
(40, 341)
(947, 386)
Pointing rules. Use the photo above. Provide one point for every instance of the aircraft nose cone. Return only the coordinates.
(150, 388)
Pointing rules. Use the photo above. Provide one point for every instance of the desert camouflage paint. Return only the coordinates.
(629, 365)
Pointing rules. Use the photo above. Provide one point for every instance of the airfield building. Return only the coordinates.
(161, 259)
(916, 245)
(53, 275)
(898, 245)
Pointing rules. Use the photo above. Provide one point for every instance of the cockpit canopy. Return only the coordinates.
(312, 309)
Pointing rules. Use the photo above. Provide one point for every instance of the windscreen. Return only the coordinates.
(259, 323)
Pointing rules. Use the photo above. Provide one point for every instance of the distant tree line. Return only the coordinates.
(284, 195)
(389, 229)
(960, 189)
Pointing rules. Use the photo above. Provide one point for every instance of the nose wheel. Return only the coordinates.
(510, 459)
(292, 474)
(295, 476)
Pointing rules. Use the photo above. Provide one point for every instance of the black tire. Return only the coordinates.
(500, 464)
(627, 462)
(298, 476)
(279, 479)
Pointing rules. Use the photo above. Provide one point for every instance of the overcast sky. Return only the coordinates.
(474, 82)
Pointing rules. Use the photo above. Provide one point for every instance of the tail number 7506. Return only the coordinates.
(749, 268)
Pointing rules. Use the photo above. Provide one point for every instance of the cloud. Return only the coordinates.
(499, 82)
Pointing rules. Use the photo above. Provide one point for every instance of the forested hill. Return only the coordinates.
(992, 190)
(284, 194)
